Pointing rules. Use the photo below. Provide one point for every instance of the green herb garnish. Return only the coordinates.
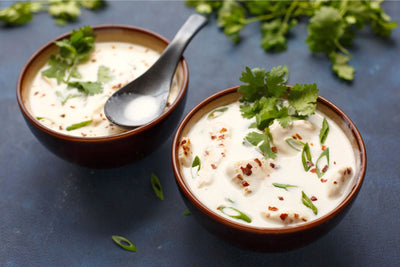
(104, 74)
(40, 118)
(306, 157)
(325, 154)
(196, 163)
(308, 203)
(79, 125)
(186, 212)
(72, 52)
(331, 24)
(323, 134)
(240, 215)
(90, 88)
(155, 183)
(124, 243)
(262, 141)
(294, 143)
(283, 186)
(217, 113)
(63, 12)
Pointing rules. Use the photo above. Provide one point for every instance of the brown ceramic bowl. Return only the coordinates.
(266, 239)
(108, 151)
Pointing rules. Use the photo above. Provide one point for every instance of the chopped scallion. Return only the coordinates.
(124, 243)
(217, 112)
(324, 131)
(308, 203)
(240, 215)
(155, 183)
(79, 125)
(283, 186)
(306, 157)
(320, 172)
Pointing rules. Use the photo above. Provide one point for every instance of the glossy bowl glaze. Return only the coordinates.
(266, 239)
(106, 151)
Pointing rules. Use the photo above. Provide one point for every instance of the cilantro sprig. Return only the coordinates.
(266, 98)
(63, 11)
(332, 25)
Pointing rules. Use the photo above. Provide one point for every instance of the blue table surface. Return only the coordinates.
(55, 213)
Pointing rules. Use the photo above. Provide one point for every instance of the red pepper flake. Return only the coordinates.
(323, 147)
(298, 136)
(272, 208)
(274, 149)
(348, 171)
(83, 134)
(323, 180)
(245, 183)
(62, 115)
(247, 171)
(280, 198)
(334, 182)
(72, 107)
(311, 144)
(223, 154)
(258, 161)
(296, 215)
(283, 216)
(325, 168)
(213, 166)
(213, 137)
(93, 60)
(313, 170)
(294, 137)
(239, 176)
(223, 130)
(334, 162)
(36, 93)
(313, 198)
(183, 142)
(60, 128)
(272, 165)
(309, 164)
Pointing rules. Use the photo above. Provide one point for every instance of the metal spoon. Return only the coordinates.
(144, 99)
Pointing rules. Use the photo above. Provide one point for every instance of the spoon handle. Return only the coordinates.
(172, 54)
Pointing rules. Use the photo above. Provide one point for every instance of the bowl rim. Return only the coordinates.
(267, 230)
(98, 28)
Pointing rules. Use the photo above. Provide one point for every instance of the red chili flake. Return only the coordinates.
(309, 164)
(258, 162)
(94, 60)
(334, 162)
(334, 182)
(313, 198)
(272, 208)
(223, 130)
(296, 215)
(113, 47)
(348, 170)
(36, 93)
(245, 183)
(311, 144)
(60, 127)
(323, 180)
(213, 166)
(72, 106)
(221, 137)
(213, 137)
(323, 147)
(325, 168)
(168, 104)
(298, 136)
(280, 198)
(272, 165)
(274, 149)
(239, 176)
(223, 154)
(247, 170)
(183, 142)
(313, 170)
(83, 134)
(62, 115)
(283, 216)
(294, 137)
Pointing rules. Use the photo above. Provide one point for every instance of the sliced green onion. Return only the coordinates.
(306, 157)
(186, 212)
(124, 243)
(308, 203)
(240, 215)
(294, 143)
(217, 112)
(324, 131)
(283, 186)
(79, 125)
(40, 118)
(325, 153)
(196, 163)
(155, 183)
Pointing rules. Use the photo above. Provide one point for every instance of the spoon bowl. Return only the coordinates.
(144, 99)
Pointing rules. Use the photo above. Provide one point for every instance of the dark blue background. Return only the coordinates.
(54, 213)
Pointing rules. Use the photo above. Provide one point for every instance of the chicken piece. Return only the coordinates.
(247, 174)
(219, 135)
(185, 152)
(339, 181)
(284, 217)
(300, 130)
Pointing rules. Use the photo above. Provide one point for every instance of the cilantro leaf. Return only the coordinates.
(232, 17)
(341, 67)
(57, 69)
(90, 88)
(64, 12)
(19, 13)
(104, 74)
(262, 141)
(303, 98)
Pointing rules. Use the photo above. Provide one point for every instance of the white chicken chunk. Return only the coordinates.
(339, 181)
(300, 130)
(185, 152)
(285, 217)
(247, 174)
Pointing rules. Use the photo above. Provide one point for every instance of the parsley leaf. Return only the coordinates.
(104, 74)
(90, 88)
(262, 141)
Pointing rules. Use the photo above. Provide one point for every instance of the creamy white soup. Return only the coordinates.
(68, 111)
(234, 179)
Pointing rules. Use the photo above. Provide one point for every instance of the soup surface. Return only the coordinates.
(234, 179)
(69, 111)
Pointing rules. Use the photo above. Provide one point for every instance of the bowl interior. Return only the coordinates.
(231, 95)
(105, 33)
